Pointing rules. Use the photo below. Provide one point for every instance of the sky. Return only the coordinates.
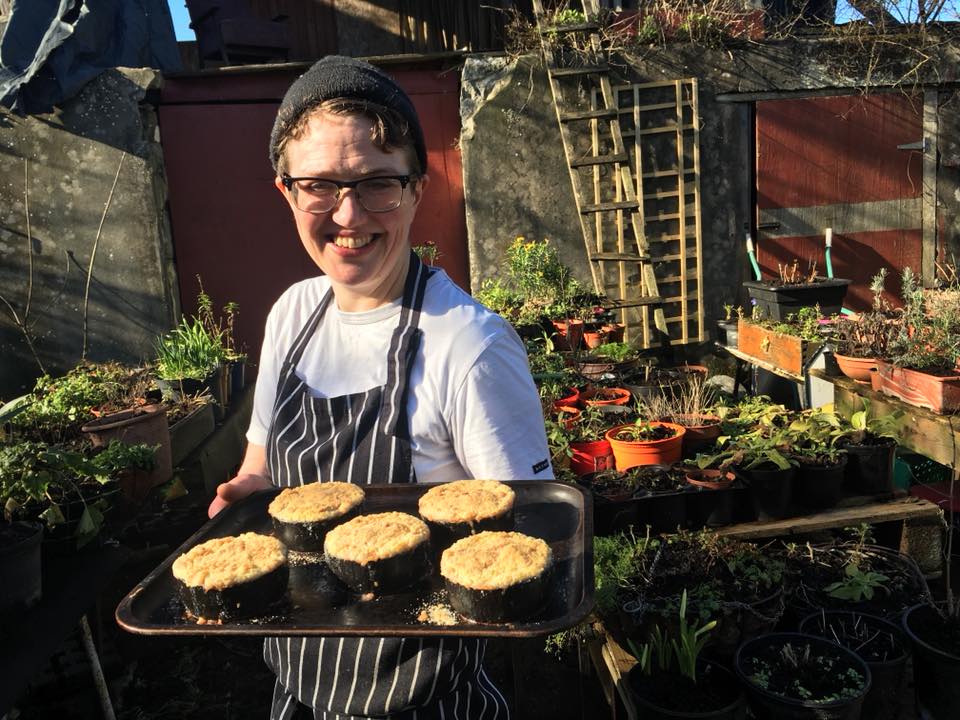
(181, 20)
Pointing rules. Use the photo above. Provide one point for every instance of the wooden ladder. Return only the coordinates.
(630, 284)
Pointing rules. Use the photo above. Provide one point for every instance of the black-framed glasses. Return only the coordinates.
(375, 194)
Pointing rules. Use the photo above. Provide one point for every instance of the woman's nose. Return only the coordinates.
(348, 208)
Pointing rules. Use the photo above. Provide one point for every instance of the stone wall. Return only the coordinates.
(516, 181)
(62, 168)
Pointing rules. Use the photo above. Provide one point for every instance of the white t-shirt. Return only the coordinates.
(473, 409)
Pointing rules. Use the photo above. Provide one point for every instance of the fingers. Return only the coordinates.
(236, 489)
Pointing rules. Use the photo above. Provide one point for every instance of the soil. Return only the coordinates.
(870, 641)
(806, 582)
(820, 677)
(655, 432)
(657, 479)
(713, 690)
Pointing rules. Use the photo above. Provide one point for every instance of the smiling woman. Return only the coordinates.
(380, 370)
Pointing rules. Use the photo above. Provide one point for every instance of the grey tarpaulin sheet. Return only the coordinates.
(52, 48)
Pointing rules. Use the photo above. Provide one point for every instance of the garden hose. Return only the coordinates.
(753, 258)
(828, 242)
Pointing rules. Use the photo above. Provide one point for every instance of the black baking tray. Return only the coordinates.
(317, 604)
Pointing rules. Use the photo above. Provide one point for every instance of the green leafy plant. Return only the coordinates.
(865, 425)
(686, 646)
(857, 585)
(428, 253)
(924, 342)
(614, 352)
(188, 351)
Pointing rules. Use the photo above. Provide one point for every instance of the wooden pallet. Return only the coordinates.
(603, 184)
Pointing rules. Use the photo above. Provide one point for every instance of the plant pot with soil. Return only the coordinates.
(710, 501)
(614, 501)
(661, 492)
(145, 425)
(609, 359)
(646, 443)
(935, 638)
(590, 452)
(791, 675)
(605, 396)
(871, 445)
(786, 295)
(882, 645)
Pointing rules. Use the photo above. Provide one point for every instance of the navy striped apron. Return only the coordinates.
(364, 438)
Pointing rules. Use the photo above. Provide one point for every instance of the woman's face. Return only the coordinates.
(364, 254)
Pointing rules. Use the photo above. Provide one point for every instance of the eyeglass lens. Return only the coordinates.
(374, 195)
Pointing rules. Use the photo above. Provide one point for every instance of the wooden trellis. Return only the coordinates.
(660, 125)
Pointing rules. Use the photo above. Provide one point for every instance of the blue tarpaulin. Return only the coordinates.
(52, 48)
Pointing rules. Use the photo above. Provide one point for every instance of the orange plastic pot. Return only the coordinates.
(590, 456)
(569, 400)
(606, 396)
(631, 453)
(856, 368)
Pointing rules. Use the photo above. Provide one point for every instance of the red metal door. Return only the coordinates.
(833, 162)
(232, 227)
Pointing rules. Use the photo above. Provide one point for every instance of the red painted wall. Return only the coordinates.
(841, 150)
(233, 228)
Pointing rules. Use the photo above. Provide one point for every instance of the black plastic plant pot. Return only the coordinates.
(771, 491)
(779, 302)
(819, 487)
(773, 706)
(502, 605)
(309, 536)
(715, 696)
(870, 467)
(20, 584)
(883, 700)
(727, 334)
(709, 508)
(611, 516)
(936, 670)
(385, 576)
(245, 600)
(443, 535)
(664, 512)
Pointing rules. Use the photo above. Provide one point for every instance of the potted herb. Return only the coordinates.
(860, 342)
(590, 450)
(612, 358)
(822, 462)
(727, 328)
(646, 443)
(793, 290)
(879, 643)
(792, 675)
(671, 680)
(922, 368)
(871, 445)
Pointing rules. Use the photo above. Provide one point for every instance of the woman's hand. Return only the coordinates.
(252, 476)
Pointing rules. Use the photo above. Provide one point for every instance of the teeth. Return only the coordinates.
(353, 242)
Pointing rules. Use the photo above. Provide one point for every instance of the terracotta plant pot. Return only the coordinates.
(940, 392)
(614, 333)
(702, 430)
(147, 425)
(856, 368)
(606, 396)
(590, 456)
(630, 453)
(571, 332)
(711, 479)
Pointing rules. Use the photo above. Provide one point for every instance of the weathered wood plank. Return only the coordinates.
(908, 508)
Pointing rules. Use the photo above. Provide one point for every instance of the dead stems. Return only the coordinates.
(93, 255)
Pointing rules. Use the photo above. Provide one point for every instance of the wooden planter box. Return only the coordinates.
(787, 352)
(187, 434)
(940, 393)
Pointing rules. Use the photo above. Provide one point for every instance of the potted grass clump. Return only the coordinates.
(879, 643)
(189, 361)
(797, 676)
(689, 404)
(672, 680)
